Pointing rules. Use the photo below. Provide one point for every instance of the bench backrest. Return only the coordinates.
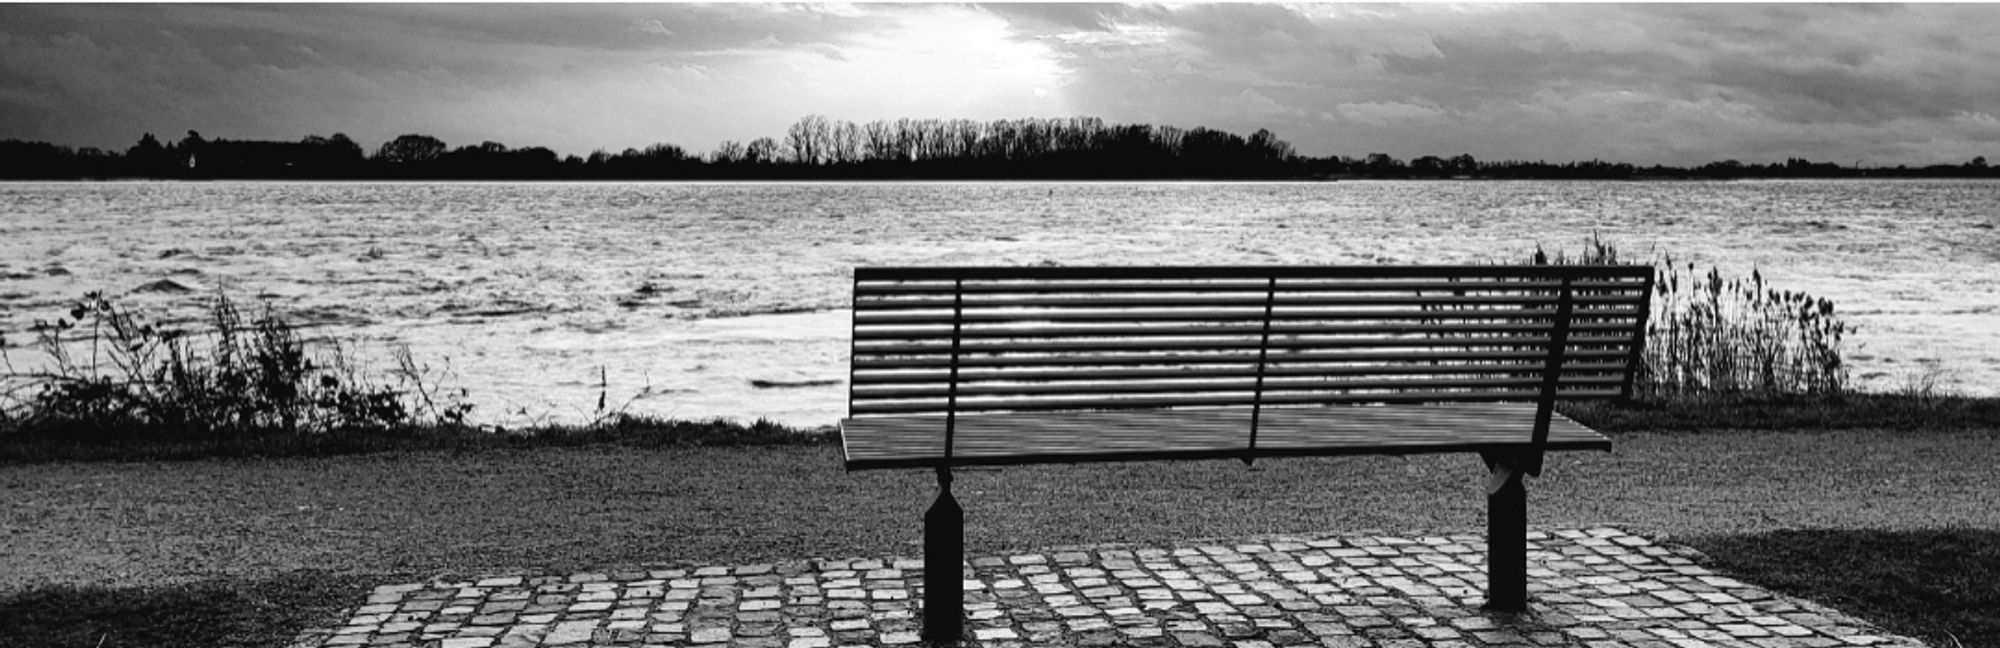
(966, 340)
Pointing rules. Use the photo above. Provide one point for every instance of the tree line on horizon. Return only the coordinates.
(815, 147)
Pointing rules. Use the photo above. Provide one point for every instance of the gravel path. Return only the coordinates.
(434, 514)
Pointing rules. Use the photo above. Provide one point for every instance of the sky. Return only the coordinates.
(1677, 84)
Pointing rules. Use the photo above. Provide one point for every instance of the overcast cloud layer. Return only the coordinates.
(1673, 84)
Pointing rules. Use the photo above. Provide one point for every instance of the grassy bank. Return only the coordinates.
(63, 444)
(1886, 413)
(214, 613)
(1940, 585)
(1853, 411)
(155, 533)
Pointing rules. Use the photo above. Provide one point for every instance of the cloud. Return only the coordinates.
(1673, 84)
(652, 26)
(1252, 102)
(1678, 84)
(572, 79)
(1047, 18)
(1378, 113)
(693, 71)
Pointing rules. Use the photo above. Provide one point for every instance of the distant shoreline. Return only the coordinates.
(1644, 179)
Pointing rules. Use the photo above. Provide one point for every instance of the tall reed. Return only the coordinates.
(1713, 335)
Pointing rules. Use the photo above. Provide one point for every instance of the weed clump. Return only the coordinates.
(116, 385)
(113, 375)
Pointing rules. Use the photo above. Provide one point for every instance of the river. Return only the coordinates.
(725, 299)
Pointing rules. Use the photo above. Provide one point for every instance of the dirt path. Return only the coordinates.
(441, 512)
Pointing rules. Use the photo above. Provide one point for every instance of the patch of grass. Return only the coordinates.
(1941, 585)
(1886, 412)
(650, 432)
(59, 444)
(220, 613)
(1902, 412)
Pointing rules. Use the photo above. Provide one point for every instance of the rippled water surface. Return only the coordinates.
(723, 299)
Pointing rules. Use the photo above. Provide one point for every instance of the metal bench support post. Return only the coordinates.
(1506, 540)
(944, 524)
(944, 553)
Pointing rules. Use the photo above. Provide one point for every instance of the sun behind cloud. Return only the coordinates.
(869, 63)
(944, 62)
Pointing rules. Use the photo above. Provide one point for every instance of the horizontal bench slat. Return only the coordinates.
(1505, 286)
(1226, 357)
(1412, 419)
(1271, 386)
(917, 441)
(948, 273)
(859, 408)
(1228, 314)
(1224, 301)
(989, 346)
(1247, 368)
(1234, 329)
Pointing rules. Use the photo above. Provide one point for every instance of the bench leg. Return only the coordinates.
(1506, 540)
(944, 555)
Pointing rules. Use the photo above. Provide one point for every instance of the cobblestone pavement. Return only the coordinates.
(1596, 588)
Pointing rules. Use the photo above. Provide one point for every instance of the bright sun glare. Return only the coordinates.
(959, 62)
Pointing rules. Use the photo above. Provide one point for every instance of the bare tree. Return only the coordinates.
(729, 152)
(931, 140)
(881, 140)
(846, 142)
(822, 138)
(763, 150)
(799, 140)
(1034, 138)
(966, 133)
(1168, 140)
(906, 139)
(999, 138)
(810, 140)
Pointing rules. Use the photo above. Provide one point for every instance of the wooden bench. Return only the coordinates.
(998, 366)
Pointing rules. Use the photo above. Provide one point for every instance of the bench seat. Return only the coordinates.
(917, 441)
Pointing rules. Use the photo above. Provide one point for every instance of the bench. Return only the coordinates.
(1017, 365)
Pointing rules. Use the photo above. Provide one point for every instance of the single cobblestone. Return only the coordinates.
(1588, 587)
